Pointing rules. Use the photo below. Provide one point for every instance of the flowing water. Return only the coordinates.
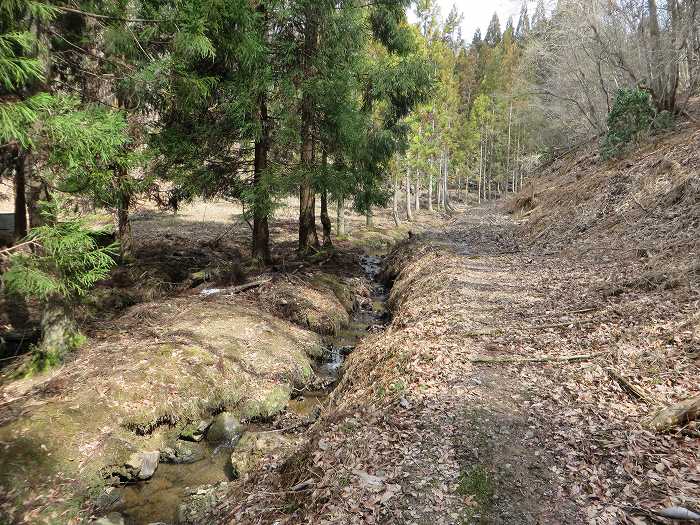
(157, 500)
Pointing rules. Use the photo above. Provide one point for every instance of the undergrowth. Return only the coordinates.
(476, 483)
(631, 119)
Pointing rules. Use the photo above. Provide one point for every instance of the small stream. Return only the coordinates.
(157, 500)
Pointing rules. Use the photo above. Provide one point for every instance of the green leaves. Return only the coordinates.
(34, 8)
(631, 116)
(17, 118)
(16, 70)
(66, 261)
(84, 137)
(193, 45)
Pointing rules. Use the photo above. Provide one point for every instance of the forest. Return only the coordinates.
(323, 261)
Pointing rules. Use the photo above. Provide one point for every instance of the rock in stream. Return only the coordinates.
(225, 429)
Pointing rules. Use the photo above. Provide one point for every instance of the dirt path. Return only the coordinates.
(421, 431)
(478, 421)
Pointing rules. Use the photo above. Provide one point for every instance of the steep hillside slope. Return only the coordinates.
(640, 213)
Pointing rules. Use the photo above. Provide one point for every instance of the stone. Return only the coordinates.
(199, 504)
(141, 465)
(313, 415)
(225, 429)
(113, 518)
(149, 464)
(196, 431)
(181, 453)
(109, 498)
(256, 448)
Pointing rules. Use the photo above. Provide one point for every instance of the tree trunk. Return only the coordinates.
(395, 203)
(459, 187)
(369, 217)
(409, 214)
(121, 213)
(676, 415)
(325, 217)
(326, 220)
(516, 164)
(126, 243)
(430, 187)
(448, 204)
(510, 120)
(417, 191)
(520, 168)
(340, 218)
(663, 70)
(261, 229)
(20, 199)
(308, 238)
(481, 167)
(37, 192)
(59, 334)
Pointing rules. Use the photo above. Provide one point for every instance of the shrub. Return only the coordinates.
(632, 117)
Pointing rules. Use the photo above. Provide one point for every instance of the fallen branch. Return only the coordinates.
(543, 359)
(529, 212)
(558, 325)
(304, 485)
(628, 387)
(16, 246)
(676, 415)
(569, 312)
(247, 286)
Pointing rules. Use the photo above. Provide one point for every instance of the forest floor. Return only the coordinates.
(511, 387)
(160, 355)
(525, 357)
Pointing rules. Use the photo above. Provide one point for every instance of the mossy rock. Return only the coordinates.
(181, 453)
(339, 288)
(226, 428)
(257, 447)
(271, 403)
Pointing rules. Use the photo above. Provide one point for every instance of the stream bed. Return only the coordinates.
(156, 500)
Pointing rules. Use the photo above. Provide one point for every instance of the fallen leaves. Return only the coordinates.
(558, 441)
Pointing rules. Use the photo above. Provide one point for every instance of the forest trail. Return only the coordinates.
(477, 421)
(493, 397)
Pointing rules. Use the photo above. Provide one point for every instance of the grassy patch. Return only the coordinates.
(475, 482)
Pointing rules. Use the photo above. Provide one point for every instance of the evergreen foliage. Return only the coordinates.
(66, 261)
(523, 27)
(255, 101)
(631, 117)
(540, 17)
(493, 33)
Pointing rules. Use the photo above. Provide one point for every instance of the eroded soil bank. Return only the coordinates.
(151, 383)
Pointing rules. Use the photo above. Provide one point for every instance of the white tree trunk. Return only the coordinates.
(396, 201)
(409, 214)
(430, 187)
(417, 191)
